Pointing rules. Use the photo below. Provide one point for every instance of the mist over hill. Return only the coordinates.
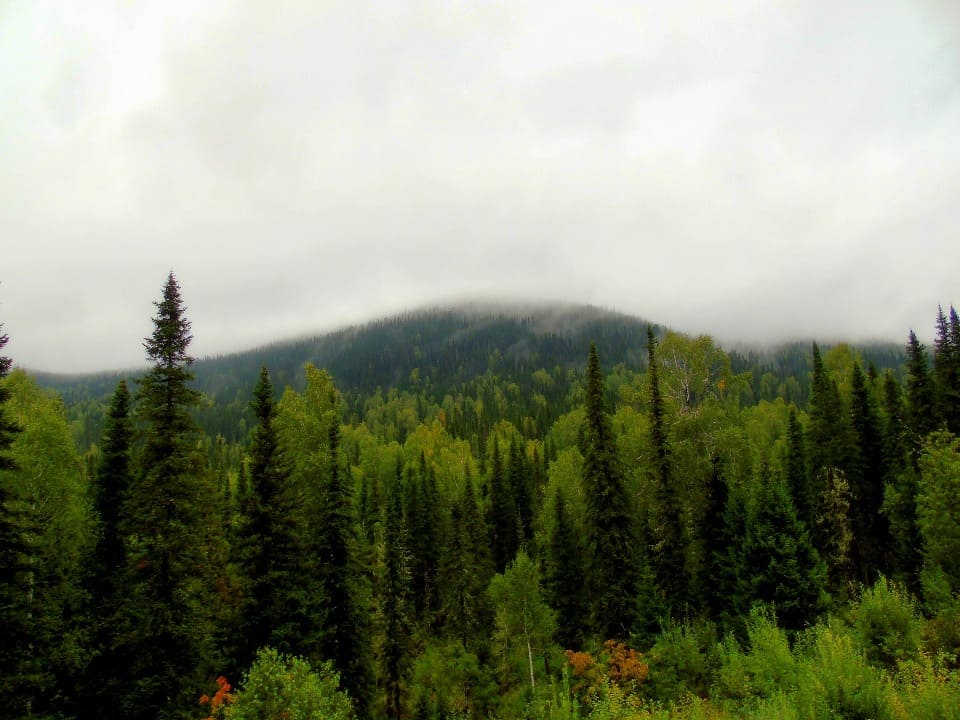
(440, 351)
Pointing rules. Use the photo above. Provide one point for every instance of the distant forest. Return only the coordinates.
(556, 513)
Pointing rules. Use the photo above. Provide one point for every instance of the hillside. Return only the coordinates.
(438, 352)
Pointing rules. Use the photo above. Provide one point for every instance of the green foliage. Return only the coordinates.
(284, 687)
(611, 530)
(938, 515)
(886, 625)
(683, 662)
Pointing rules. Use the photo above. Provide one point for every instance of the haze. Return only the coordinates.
(756, 170)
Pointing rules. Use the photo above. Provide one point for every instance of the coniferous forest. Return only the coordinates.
(470, 514)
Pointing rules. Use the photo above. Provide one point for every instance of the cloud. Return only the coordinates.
(755, 170)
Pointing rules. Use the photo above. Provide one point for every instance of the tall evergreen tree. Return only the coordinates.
(900, 488)
(946, 364)
(170, 523)
(610, 525)
(797, 474)
(346, 628)
(921, 399)
(269, 548)
(8, 428)
(714, 592)
(826, 430)
(21, 678)
(503, 513)
(396, 606)
(564, 578)
(520, 486)
(865, 475)
(668, 549)
(111, 483)
(785, 569)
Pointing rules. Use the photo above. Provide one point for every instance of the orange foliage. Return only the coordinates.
(619, 665)
(220, 698)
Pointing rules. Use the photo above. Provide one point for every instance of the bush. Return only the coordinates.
(886, 625)
(280, 687)
(768, 667)
(683, 662)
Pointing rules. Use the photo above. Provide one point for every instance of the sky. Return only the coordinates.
(755, 170)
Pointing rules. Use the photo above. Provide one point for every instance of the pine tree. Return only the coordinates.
(8, 428)
(269, 549)
(610, 528)
(21, 679)
(564, 578)
(519, 482)
(714, 592)
(785, 569)
(465, 571)
(668, 549)
(835, 528)
(827, 429)
(900, 488)
(946, 364)
(921, 400)
(797, 474)
(503, 514)
(170, 522)
(865, 475)
(346, 627)
(111, 483)
(396, 606)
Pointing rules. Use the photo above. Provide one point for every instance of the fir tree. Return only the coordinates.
(610, 530)
(346, 627)
(8, 428)
(785, 569)
(170, 523)
(503, 514)
(668, 548)
(921, 399)
(269, 548)
(826, 429)
(111, 482)
(564, 578)
(519, 481)
(21, 677)
(396, 606)
(797, 474)
(946, 364)
(865, 475)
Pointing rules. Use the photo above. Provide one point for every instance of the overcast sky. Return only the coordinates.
(755, 170)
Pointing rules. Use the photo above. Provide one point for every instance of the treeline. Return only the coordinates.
(655, 541)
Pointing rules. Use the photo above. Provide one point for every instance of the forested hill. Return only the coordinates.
(451, 352)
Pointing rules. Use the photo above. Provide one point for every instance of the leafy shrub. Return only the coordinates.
(281, 687)
(766, 668)
(683, 661)
(886, 625)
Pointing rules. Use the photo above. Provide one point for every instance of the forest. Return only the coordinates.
(558, 516)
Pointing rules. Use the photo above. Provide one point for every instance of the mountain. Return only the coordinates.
(440, 352)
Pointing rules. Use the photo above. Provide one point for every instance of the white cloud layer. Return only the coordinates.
(757, 170)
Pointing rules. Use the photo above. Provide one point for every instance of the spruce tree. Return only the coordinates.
(519, 480)
(8, 428)
(503, 513)
(564, 578)
(396, 606)
(269, 548)
(170, 522)
(785, 570)
(111, 483)
(921, 417)
(946, 364)
(826, 430)
(610, 528)
(345, 638)
(865, 475)
(668, 549)
(21, 678)
(797, 474)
